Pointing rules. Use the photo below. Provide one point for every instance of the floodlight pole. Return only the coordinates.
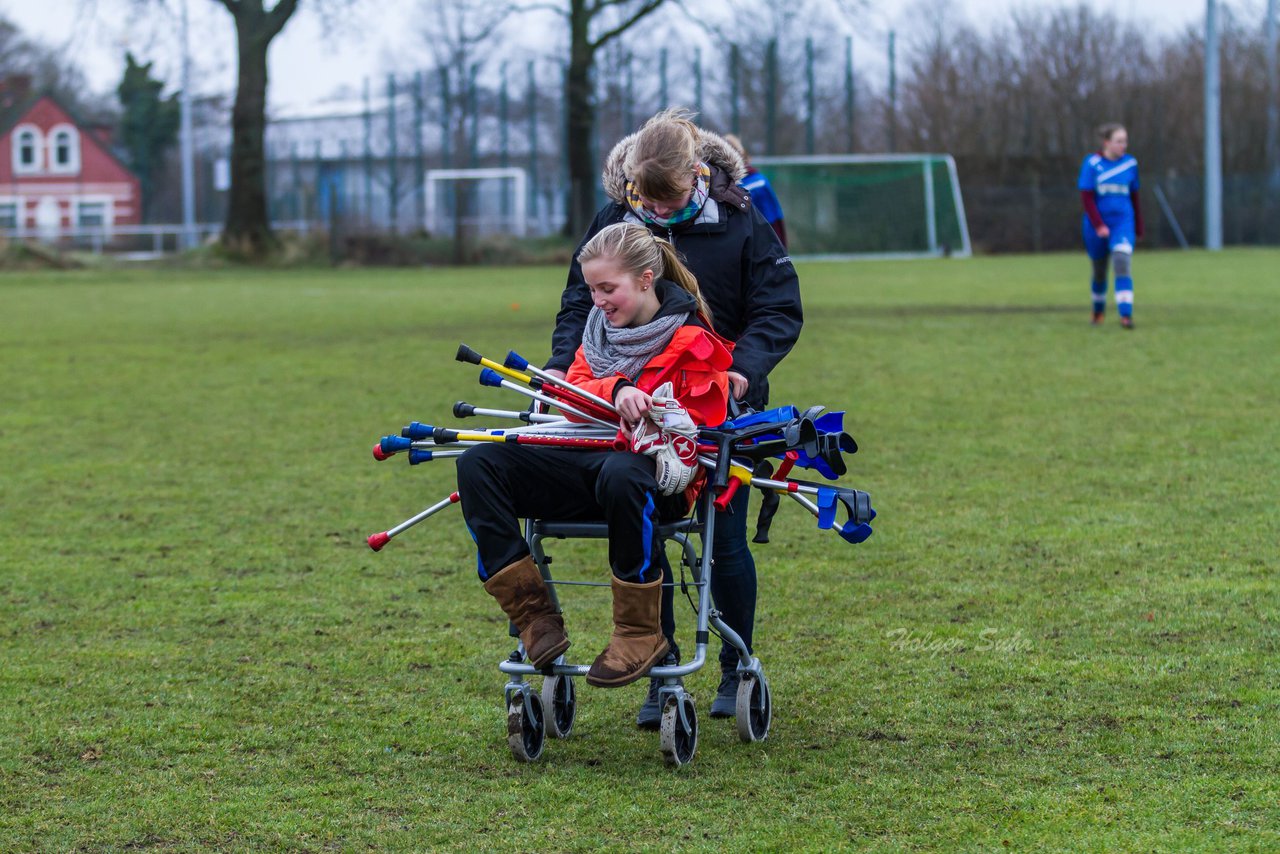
(893, 94)
(1273, 103)
(1212, 132)
(189, 237)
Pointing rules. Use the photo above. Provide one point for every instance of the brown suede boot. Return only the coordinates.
(637, 643)
(522, 593)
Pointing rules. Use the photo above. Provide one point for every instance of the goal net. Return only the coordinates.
(481, 202)
(870, 205)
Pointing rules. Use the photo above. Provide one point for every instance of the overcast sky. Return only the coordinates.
(305, 66)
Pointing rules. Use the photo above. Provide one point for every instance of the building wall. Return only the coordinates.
(99, 190)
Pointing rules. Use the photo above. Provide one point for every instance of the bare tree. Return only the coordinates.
(593, 24)
(49, 70)
(772, 42)
(458, 37)
(248, 228)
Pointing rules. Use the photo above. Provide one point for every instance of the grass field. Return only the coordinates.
(1063, 635)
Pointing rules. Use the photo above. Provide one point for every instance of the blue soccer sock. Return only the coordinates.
(1124, 295)
(1100, 295)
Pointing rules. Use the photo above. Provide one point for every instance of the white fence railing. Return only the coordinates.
(157, 238)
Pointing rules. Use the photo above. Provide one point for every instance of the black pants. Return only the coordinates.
(500, 484)
(733, 580)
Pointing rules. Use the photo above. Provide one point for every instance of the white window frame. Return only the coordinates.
(72, 166)
(19, 211)
(108, 207)
(37, 146)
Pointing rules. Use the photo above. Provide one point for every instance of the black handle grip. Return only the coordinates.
(769, 502)
(721, 480)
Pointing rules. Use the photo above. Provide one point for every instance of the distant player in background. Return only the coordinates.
(1112, 218)
(762, 195)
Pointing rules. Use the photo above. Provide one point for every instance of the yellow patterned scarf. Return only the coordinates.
(701, 188)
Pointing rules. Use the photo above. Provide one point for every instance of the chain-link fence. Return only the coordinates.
(366, 164)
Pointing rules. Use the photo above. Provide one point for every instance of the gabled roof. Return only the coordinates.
(9, 116)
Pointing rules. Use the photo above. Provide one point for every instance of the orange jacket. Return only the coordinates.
(696, 363)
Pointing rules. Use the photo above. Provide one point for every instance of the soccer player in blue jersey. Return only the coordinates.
(760, 190)
(1112, 218)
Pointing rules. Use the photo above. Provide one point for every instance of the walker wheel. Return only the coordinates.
(753, 708)
(678, 738)
(526, 725)
(563, 697)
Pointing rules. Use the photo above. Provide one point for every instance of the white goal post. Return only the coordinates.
(870, 205)
(496, 210)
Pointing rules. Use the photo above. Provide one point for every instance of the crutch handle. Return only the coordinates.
(394, 444)
(730, 490)
(417, 430)
(466, 354)
(788, 462)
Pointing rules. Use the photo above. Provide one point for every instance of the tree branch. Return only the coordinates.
(609, 35)
(278, 16)
(520, 8)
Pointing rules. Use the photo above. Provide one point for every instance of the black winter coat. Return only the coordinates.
(743, 271)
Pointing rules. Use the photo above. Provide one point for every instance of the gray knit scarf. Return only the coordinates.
(622, 350)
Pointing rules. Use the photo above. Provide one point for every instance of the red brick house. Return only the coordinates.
(56, 173)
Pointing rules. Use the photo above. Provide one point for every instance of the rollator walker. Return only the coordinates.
(533, 715)
(736, 455)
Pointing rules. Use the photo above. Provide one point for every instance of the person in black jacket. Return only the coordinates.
(681, 182)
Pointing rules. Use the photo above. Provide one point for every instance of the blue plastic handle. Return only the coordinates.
(780, 414)
(395, 444)
(516, 361)
(857, 533)
(419, 456)
(826, 507)
(417, 430)
(491, 377)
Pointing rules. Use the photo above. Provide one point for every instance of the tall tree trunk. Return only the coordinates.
(248, 229)
(581, 119)
(583, 169)
(579, 95)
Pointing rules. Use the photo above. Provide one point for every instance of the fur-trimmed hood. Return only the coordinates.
(712, 150)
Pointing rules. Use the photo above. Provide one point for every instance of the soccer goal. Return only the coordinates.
(482, 201)
(870, 205)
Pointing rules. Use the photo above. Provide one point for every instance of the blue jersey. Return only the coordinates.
(1111, 181)
(762, 196)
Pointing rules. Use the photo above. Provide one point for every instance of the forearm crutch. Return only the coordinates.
(462, 409)
(377, 541)
(856, 502)
(444, 442)
(584, 400)
(517, 362)
(490, 377)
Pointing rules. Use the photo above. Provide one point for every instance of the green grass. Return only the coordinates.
(198, 650)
